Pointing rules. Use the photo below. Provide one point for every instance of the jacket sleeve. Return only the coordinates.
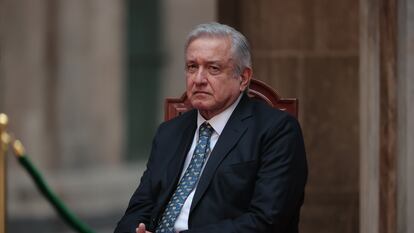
(142, 201)
(279, 185)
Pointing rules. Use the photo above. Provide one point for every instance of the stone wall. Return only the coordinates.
(309, 50)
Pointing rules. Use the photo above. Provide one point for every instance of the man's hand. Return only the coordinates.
(141, 228)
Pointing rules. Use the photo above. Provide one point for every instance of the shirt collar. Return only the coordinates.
(219, 121)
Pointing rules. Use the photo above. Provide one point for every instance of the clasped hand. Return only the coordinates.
(141, 228)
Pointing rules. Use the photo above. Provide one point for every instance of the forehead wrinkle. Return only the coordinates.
(208, 58)
(206, 45)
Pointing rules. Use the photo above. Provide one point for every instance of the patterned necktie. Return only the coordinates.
(187, 182)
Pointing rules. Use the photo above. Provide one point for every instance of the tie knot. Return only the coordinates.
(205, 129)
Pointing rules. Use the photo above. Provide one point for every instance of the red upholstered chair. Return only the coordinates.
(257, 89)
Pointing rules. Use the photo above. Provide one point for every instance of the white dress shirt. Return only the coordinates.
(218, 123)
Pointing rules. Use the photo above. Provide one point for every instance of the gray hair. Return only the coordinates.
(239, 45)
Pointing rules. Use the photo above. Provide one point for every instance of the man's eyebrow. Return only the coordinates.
(209, 62)
(220, 62)
(213, 62)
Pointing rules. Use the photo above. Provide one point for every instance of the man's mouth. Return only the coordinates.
(200, 92)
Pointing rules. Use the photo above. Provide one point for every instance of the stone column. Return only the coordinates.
(61, 83)
(405, 184)
(369, 116)
(61, 79)
(89, 82)
(24, 75)
(385, 132)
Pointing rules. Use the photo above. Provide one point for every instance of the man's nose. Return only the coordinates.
(201, 76)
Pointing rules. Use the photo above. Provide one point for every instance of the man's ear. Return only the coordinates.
(245, 78)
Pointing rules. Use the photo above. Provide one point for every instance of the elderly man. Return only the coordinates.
(232, 164)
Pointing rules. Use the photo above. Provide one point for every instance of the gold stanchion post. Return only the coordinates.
(4, 142)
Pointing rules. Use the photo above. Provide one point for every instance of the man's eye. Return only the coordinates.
(191, 68)
(214, 69)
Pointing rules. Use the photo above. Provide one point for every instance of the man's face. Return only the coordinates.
(212, 84)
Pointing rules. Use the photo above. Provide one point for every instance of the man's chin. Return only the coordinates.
(202, 106)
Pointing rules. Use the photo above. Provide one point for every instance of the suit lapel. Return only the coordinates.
(231, 134)
(176, 162)
(175, 165)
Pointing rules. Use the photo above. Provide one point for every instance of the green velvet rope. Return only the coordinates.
(62, 210)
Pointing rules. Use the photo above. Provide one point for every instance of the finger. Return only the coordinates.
(141, 228)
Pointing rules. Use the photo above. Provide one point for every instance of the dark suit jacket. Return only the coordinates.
(253, 181)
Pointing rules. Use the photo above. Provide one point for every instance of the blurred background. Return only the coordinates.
(84, 83)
